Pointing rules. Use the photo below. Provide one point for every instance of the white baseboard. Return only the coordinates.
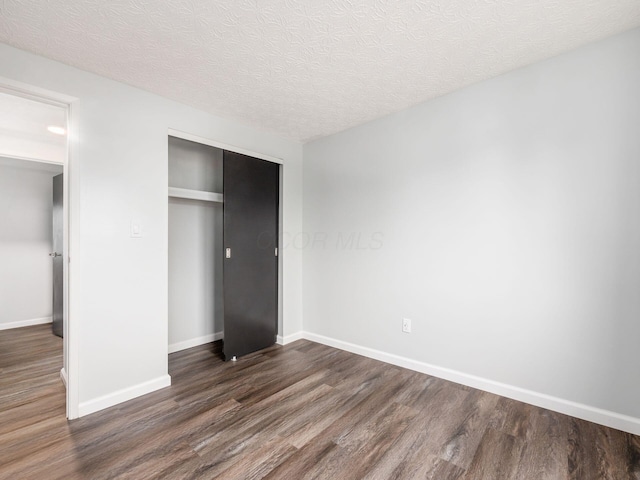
(26, 323)
(194, 342)
(586, 412)
(280, 340)
(106, 401)
(63, 376)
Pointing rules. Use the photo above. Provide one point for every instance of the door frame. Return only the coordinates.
(223, 146)
(262, 156)
(69, 373)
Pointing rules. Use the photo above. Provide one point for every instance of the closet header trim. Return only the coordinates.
(223, 146)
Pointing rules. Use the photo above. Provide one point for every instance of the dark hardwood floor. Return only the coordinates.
(294, 412)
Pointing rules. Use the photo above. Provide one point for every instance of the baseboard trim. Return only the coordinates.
(26, 323)
(63, 376)
(194, 342)
(106, 401)
(280, 340)
(586, 412)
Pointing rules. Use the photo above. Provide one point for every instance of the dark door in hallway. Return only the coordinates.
(57, 256)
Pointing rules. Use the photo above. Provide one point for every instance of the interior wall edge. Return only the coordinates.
(590, 413)
(194, 342)
(120, 396)
(287, 339)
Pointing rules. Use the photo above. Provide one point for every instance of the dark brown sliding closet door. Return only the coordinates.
(251, 189)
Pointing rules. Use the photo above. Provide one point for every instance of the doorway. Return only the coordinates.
(33, 152)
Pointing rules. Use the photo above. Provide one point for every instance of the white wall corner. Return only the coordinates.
(120, 396)
(63, 376)
(287, 339)
(585, 412)
(26, 323)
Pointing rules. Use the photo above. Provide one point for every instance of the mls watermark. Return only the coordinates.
(333, 240)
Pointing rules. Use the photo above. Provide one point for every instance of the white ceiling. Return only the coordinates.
(307, 68)
(23, 129)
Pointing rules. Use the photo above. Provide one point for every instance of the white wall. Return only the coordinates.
(503, 219)
(118, 173)
(25, 242)
(196, 310)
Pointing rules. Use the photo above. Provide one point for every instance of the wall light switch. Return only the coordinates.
(136, 230)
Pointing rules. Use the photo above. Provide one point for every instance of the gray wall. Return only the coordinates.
(503, 219)
(26, 286)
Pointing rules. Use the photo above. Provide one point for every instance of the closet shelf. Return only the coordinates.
(195, 194)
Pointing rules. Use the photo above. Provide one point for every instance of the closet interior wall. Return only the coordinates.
(195, 244)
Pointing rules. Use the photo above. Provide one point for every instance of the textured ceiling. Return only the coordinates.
(306, 68)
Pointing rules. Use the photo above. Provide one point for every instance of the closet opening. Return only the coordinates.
(223, 239)
(196, 314)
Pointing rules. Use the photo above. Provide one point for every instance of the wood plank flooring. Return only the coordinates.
(303, 411)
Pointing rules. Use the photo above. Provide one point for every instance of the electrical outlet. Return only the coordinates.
(406, 325)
